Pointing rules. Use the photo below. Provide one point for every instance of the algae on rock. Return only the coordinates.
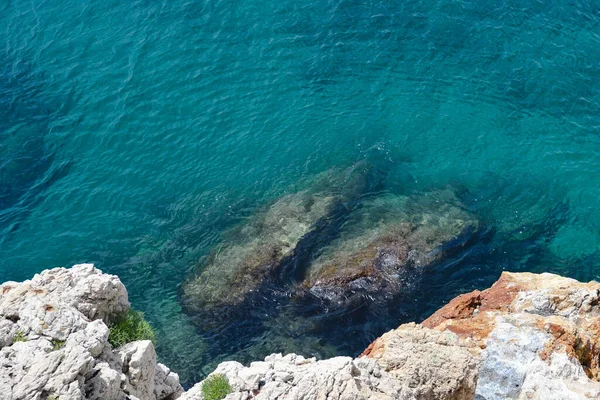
(254, 252)
(385, 245)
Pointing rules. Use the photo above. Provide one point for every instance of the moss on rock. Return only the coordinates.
(129, 328)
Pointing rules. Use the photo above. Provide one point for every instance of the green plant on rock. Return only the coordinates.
(129, 328)
(216, 387)
(20, 336)
(57, 344)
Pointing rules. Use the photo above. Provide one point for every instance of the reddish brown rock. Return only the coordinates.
(535, 336)
(460, 307)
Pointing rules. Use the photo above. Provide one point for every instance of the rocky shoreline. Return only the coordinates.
(527, 337)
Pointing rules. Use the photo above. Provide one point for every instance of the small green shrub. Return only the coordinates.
(53, 397)
(216, 387)
(129, 328)
(57, 344)
(20, 336)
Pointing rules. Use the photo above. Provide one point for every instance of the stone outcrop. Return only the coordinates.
(536, 336)
(434, 365)
(344, 378)
(527, 337)
(54, 341)
(409, 363)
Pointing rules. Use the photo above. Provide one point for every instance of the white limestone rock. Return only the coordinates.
(54, 341)
(431, 365)
(535, 336)
(139, 367)
(512, 367)
(166, 383)
(7, 332)
(294, 377)
(105, 383)
(529, 337)
(86, 288)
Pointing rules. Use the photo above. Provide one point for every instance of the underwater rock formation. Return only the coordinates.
(256, 252)
(318, 263)
(385, 245)
(54, 341)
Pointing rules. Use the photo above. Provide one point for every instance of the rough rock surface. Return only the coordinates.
(527, 337)
(54, 341)
(409, 363)
(535, 336)
(435, 365)
(254, 251)
(294, 377)
(386, 244)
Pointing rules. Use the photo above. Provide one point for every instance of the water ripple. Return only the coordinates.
(133, 134)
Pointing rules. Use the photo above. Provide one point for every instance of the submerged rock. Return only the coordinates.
(54, 341)
(385, 245)
(256, 251)
(239, 267)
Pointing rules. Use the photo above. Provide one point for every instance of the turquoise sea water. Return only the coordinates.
(132, 134)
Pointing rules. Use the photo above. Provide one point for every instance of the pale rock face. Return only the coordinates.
(294, 377)
(408, 364)
(166, 383)
(511, 367)
(536, 336)
(141, 361)
(529, 337)
(432, 365)
(54, 341)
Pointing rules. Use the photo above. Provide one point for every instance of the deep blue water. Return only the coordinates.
(134, 133)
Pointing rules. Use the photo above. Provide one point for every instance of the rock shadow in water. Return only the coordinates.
(27, 162)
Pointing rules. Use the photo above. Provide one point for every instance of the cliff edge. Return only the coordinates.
(54, 341)
(527, 337)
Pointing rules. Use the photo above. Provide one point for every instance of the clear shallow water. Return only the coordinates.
(133, 134)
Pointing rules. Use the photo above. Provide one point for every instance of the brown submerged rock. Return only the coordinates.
(386, 244)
